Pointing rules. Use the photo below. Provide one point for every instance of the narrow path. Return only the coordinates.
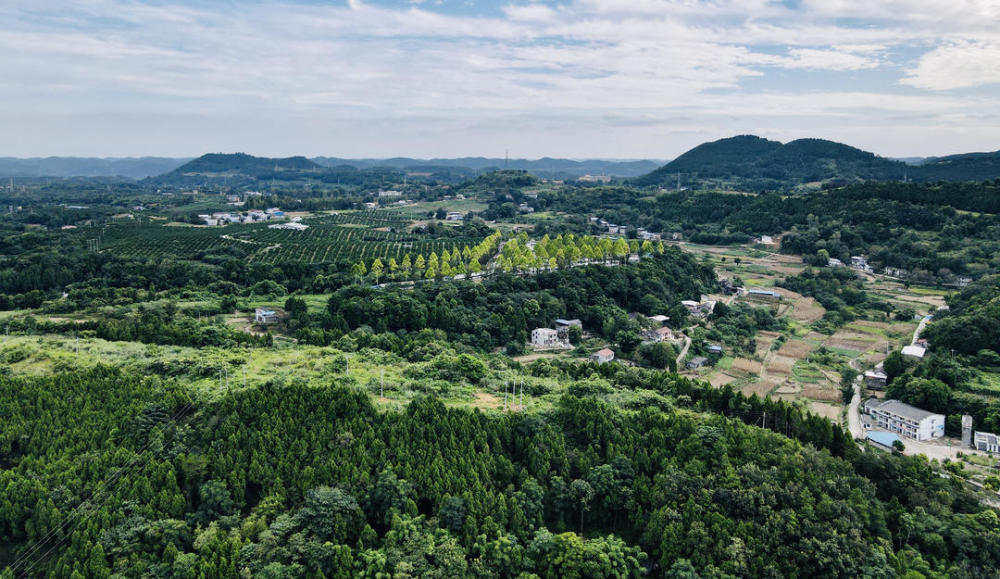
(684, 351)
(920, 329)
(853, 418)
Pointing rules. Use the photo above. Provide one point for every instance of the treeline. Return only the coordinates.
(932, 233)
(148, 324)
(502, 311)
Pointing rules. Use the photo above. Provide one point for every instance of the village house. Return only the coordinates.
(876, 380)
(695, 363)
(265, 316)
(659, 335)
(545, 338)
(914, 351)
(454, 216)
(602, 356)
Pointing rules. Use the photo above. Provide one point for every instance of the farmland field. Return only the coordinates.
(346, 236)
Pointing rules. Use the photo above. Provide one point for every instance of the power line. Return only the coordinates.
(114, 481)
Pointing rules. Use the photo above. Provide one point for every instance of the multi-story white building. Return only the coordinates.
(906, 420)
(987, 442)
(545, 338)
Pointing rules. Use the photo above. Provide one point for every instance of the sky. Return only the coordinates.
(448, 78)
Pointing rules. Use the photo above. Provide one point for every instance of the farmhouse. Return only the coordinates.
(660, 319)
(265, 316)
(545, 338)
(914, 351)
(294, 226)
(602, 356)
(876, 380)
(454, 216)
(659, 335)
(909, 421)
(695, 363)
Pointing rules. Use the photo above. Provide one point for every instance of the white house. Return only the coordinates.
(909, 421)
(602, 356)
(265, 316)
(545, 338)
(914, 351)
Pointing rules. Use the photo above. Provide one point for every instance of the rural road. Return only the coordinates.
(920, 328)
(684, 351)
(853, 417)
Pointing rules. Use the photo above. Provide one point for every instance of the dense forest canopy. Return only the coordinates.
(325, 484)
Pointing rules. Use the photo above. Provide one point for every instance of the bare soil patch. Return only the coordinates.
(759, 388)
(819, 393)
(781, 365)
(829, 411)
(720, 379)
(747, 365)
(486, 400)
(796, 349)
(807, 310)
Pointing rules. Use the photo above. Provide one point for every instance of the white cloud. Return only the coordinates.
(957, 65)
(646, 63)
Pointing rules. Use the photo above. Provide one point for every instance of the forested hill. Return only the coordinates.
(243, 163)
(757, 163)
(288, 480)
(967, 167)
(770, 164)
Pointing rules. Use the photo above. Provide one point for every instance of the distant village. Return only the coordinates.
(254, 216)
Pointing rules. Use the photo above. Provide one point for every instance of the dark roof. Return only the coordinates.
(905, 410)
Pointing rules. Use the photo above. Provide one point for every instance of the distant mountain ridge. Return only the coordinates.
(763, 162)
(547, 167)
(129, 167)
(242, 163)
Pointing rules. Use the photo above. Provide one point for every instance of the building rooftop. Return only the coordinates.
(884, 438)
(902, 409)
(604, 352)
(913, 350)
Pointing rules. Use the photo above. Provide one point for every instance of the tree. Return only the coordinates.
(359, 270)
(894, 365)
(582, 493)
(331, 514)
(377, 269)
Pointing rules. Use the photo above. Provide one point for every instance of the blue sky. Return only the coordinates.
(571, 78)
